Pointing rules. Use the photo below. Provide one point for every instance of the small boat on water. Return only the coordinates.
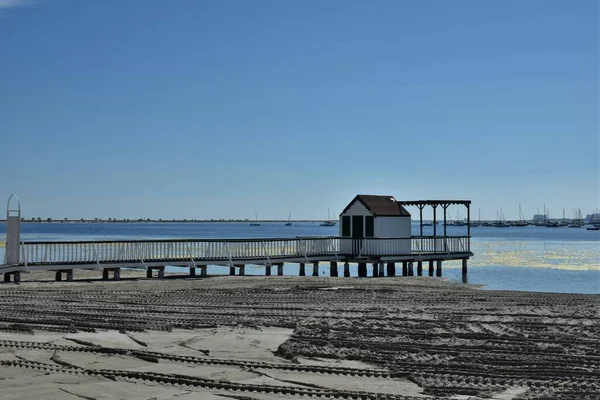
(289, 223)
(255, 223)
(593, 228)
(521, 222)
(500, 223)
(329, 221)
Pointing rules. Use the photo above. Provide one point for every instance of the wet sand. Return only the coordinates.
(293, 337)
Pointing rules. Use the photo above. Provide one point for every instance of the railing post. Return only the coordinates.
(24, 253)
(96, 255)
(191, 256)
(264, 247)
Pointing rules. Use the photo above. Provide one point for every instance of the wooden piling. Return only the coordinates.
(438, 271)
(70, 275)
(117, 275)
(464, 266)
(58, 276)
(419, 268)
(192, 271)
(267, 270)
(7, 277)
(346, 270)
(280, 269)
(203, 271)
(149, 273)
(391, 269)
(17, 277)
(362, 270)
(411, 271)
(333, 269)
(404, 268)
(232, 270)
(315, 269)
(375, 270)
(381, 269)
(105, 274)
(302, 271)
(161, 273)
(242, 269)
(430, 267)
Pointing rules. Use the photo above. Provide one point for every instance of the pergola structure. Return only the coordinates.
(421, 204)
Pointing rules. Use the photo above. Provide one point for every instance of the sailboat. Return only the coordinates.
(255, 223)
(289, 223)
(578, 220)
(458, 222)
(478, 223)
(500, 223)
(521, 221)
(329, 221)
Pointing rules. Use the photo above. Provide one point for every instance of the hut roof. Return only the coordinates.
(380, 205)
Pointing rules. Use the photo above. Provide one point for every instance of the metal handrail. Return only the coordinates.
(146, 251)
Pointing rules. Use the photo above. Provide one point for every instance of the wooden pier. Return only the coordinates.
(361, 247)
(154, 255)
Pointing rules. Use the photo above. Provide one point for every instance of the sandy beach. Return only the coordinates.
(293, 337)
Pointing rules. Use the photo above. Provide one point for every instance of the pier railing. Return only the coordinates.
(232, 250)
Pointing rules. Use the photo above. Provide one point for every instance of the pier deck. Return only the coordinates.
(69, 255)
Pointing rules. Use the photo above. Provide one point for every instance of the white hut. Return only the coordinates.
(372, 216)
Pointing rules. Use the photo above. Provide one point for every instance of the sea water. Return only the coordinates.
(517, 258)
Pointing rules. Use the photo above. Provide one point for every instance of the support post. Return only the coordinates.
(469, 222)
(7, 277)
(149, 273)
(161, 273)
(192, 271)
(430, 267)
(391, 269)
(419, 268)
(421, 218)
(315, 269)
(333, 269)
(105, 274)
(17, 277)
(231, 270)
(375, 270)
(58, 276)
(411, 271)
(268, 270)
(346, 270)
(203, 271)
(438, 271)
(302, 271)
(464, 266)
(280, 269)
(70, 275)
(381, 269)
(445, 206)
(434, 206)
(242, 270)
(117, 275)
(404, 268)
(362, 270)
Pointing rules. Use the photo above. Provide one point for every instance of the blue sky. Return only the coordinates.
(214, 109)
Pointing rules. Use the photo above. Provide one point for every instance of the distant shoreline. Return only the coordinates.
(158, 221)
